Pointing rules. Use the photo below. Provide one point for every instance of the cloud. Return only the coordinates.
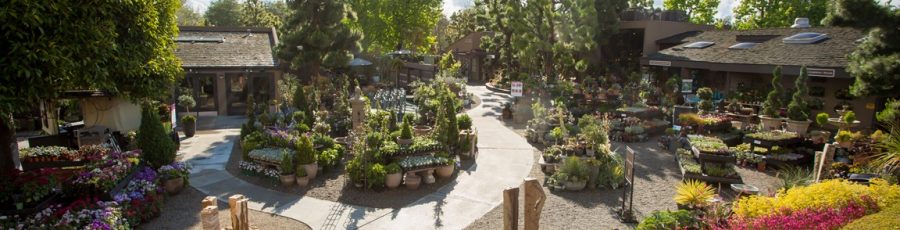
(451, 6)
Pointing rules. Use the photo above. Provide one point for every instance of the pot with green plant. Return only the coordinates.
(692, 194)
(577, 172)
(705, 105)
(447, 169)
(301, 178)
(306, 156)
(820, 136)
(394, 176)
(798, 109)
(287, 169)
(188, 121)
(770, 119)
(406, 133)
(844, 139)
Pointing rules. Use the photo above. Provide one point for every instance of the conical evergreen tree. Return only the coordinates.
(156, 146)
(317, 36)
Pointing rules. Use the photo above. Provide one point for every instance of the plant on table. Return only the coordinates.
(774, 135)
(47, 153)
(708, 144)
(773, 100)
(716, 170)
(798, 108)
(705, 105)
(464, 121)
(694, 194)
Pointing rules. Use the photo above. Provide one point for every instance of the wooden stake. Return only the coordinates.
(511, 209)
(823, 162)
(209, 218)
(534, 203)
(238, 206)
(208, 201)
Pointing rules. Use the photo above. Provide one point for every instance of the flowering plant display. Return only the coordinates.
(90, 214)
(41, 220)
(47, 153)
(830, 194)
(269, 155)
(105, 173)
(254, 169)
(175, 170)
(140, 200)
(282, 137)
(827, 218)
(23, 189)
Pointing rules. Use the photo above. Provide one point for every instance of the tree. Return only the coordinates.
(124, 47)
(494, 16)
(700, 11)
(397, 24)
(752, 14)
(876, 61)
(798, 109)
(536, 38)
(773, 100)
(318, 35)
(223, 13)
(254, 13)
(645, 4)
(187, 16)
(153, 140)
(442, 38)
(462, 23)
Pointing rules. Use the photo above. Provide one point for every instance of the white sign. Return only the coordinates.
(516, 90)
(660, 63)
(817, 72)
(173, 116)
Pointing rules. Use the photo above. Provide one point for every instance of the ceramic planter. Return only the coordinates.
(575, 185)
(445, 171)
(769, 123)
(174, 185)
(393, 180)
(422, 130)
(311, 170)
(190, 127)
(302, 181)
(287, 180)
(799, 127)
(404, 142)
(412, 181)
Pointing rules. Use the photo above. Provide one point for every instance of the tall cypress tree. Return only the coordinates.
(317, 36)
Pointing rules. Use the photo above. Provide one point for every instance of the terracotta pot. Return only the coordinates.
(393, 180)
(174, 185)
(845, 144)
(799, 127)
(287, 180)
(575, 185)
(761, 166)
(445, 171)
(402, 141)
(412, 181)
(422, 130)
(302, 181)
(769, 123)
(311, 170)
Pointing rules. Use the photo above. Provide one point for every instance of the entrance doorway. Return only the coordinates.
(236, 85)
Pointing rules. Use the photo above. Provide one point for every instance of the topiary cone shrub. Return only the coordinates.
(705, 95)
(157, 148)
(798, 110)
(772, 104)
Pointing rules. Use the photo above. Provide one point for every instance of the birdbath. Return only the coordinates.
(837, 122)
(744, 189)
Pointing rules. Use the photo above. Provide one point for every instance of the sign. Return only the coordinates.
(660, 63)
(687, 85)
(818, 72)
(173, 116)
(629, 164)
(516, 88)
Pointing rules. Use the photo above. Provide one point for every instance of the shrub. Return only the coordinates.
(287, 163)
(822, 119)
(843, 136)
(849, 117)
(376, 175)
(575, 169)
(328, 158)
(885, 219)
(665, 220)
(156, 146)
(830, 194)
(305, 152)
(891, 112)
(188, 119)
(392, 168)
(773, 101)
(798, 109)
(694, 193)
(465, 122)
(187, 101)
(406, 128)
(705, 95)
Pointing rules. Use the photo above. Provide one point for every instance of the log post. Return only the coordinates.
(534, 203)
(208, 201)
(511, 209)
(823, 162)
(238, 205)
(209, 218)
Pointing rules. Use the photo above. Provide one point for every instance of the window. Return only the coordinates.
(699, 45)
(743, 45)
(805, 38)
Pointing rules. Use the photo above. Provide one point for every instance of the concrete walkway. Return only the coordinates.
(505, 159)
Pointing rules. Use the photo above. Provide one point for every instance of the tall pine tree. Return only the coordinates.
(317, 36)
(876, 61)
(255, 13)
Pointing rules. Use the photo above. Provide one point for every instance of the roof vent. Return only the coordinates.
(699, 45)
(805, 38)
(801, 23)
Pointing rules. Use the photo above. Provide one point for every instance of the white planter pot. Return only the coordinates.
(445, 171)
(311, 170)
(799, 127)
(287, 180)
(769, 123)
(575, 186)
(393, 180)
(302, 181)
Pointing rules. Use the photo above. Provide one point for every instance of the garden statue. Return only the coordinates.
(358, 105)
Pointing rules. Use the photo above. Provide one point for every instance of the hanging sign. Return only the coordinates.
(516, 88)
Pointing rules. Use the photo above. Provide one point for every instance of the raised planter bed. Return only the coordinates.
(702, 177)
(418, 163)
(51, 164)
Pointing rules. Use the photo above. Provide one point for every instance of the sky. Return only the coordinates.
(451, 6)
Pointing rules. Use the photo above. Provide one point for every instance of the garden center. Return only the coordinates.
(453, 114)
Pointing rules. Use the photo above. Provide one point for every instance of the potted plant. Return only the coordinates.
(376, 176)
(301, 177)
(188, 121)
(705, 105)
(412, 181)
(798, 109)
(405, 132)
(820, 136)
(287, 169)
(844, 139)
(306, 156)
(394, 176)
(771, 118)
(446, 170)
(175, 175)
(692, 194)
(577, 173)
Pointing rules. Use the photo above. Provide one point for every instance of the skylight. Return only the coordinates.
(805, 38)
(193, 39)
(743, 45)
(699, 45)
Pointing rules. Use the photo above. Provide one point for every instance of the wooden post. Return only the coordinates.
(208, 201)
(209, 218)
(823, 162)
(534, 203)
(239, 216)
(511, 209)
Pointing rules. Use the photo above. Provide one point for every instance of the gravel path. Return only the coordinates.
(182, 211)
(656, 175)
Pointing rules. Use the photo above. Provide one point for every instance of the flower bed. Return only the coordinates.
(141, 199)
(108, 175)
(772, 138)
(422, 162)
(709, 145)
(255, 169)
(269, 155)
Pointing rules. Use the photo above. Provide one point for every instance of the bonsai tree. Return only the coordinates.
(773, 103)
(287, 164)
(705, 95)
(798, 109)
(822, 119)
(156, 146)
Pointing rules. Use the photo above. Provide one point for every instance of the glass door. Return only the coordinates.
(205, 92)
(236, 85)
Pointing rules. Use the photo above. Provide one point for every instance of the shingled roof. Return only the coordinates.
(828, 53)
(225, 47)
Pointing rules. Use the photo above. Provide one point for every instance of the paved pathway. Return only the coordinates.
(505, 158)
